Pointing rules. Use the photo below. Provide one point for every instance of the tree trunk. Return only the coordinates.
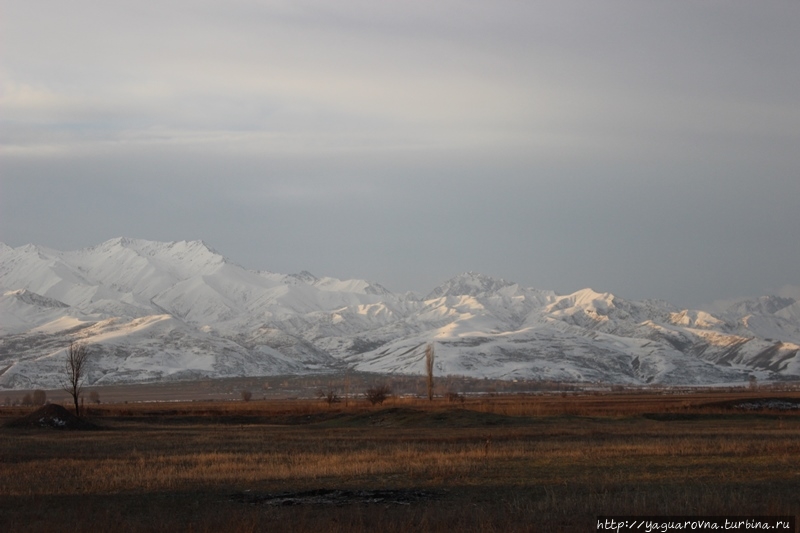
(429, 367)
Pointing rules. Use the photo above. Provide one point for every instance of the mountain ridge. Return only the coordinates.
(180, 310)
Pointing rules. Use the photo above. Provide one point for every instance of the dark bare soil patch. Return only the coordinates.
(407, 417)
(338, 497)
(52, 416)
(760, 404)
(699, 417)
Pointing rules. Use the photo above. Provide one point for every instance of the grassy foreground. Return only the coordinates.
(527, 463)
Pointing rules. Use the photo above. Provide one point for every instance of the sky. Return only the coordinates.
(647, 149)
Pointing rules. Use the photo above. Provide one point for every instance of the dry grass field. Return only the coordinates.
(503, 463)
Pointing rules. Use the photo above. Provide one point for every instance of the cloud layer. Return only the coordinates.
(640, 148)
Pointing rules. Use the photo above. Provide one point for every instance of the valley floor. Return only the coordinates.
(503, 463)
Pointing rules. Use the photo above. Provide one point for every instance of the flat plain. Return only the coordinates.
(515, 462)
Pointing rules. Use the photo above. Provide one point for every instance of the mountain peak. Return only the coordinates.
(764, 305)
(119, 242)
(468, 284)
(181, 250)
(589, 295)
(32, 298)
(305, 276)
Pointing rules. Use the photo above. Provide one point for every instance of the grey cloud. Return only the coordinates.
(647, 149)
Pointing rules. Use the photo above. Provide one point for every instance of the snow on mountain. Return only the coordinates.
(31, 298)
(585, 336)
(22, 309)
(468, 284)
(695, 319)
(765, 305)
(152, 348)
(180, 310)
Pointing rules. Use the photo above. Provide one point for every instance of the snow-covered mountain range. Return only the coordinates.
(158, 311)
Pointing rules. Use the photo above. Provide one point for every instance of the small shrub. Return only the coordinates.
(247, 395)
(378, 394)
(330, 397)
(94, 397)
(27, 399)
(455, 397)
(39, 397)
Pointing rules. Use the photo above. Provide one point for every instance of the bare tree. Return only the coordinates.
(429, 355)
(74, 370)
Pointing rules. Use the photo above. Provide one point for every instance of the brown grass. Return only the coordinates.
(496, 464)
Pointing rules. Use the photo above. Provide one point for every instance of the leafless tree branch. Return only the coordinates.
(74, 371)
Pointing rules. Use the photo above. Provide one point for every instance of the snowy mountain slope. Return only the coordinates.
(22, 310)
(154, 311)
(185, 279)
(585, 336)
(152, 348)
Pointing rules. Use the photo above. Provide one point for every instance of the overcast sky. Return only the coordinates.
(649, 149)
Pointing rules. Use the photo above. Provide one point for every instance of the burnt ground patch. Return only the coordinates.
(338, 497)
(758, 405)
(407, 417)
